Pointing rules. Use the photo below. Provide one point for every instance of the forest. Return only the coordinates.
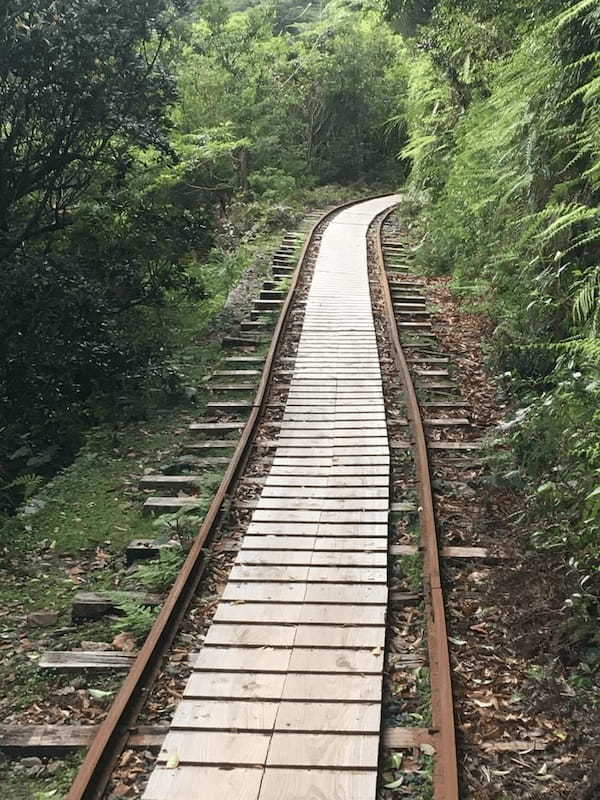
(150, 148)
(152, 155)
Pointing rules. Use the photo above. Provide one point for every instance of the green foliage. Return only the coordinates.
(79, 82)
(310, 104)
(159, 575)
(137, 618)
(503, 113)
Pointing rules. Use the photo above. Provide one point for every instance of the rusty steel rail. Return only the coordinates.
(445, 777)
(111, 738)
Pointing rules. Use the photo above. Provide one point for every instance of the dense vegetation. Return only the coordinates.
(504, 117)
(136, 136)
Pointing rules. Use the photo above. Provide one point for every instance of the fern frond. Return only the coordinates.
(585, 303)
(575, 11)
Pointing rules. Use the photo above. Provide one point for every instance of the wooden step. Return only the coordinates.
(446, 404)
(210, 444)
(236, 373)
(95, 605)
(244, 360)
(230, 407)
(403, 508)
(427, 359)
(145, 550)
(169, 504)
(158, 481)
(49, 740)
(251, 325)
(447, 422)
(216, 427)
(240, 341)
(455, 552)
(206, 462)
(269, 304)
(432, 373)
(455, 445)
(75, 660)
(231, 387)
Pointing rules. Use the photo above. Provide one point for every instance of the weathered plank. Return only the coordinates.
(69, 660)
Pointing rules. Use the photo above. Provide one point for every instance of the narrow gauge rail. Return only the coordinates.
(315, 681)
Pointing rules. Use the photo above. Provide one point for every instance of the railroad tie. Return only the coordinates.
(285, 696)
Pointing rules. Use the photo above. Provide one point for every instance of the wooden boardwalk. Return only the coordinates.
(285, 696)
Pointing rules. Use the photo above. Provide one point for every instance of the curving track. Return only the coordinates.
(284, 699)
(286, 692)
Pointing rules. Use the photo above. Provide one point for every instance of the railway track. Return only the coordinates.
(290, 671)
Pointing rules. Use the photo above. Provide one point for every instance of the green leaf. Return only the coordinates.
(395, 784)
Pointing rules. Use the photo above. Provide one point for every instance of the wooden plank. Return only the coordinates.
(346, 593)
(270, 573)
(211, 782)
(242, 715)
(352, 482)
(218, 444)
(403, 550)
(243, 659)
(309, 784)
(347, 575)
(340, 530)
(309, 574)
(336, 636)
(324, 750)
(265, 592)
(516, 746)
(301, 430)
(375, 446)
(338, 717)
(316, 558)
(215, 747)
(295, 613)
(231, 387)
(299, 503)
(236, 685)
(346, 464)
(251, 635)
(364, 662)
(171, 481)
(62, 738)
(69, 660)
(94, 605)
(331, 472)
(170, 503)
(350, 688)
(455, 445)
(327, 492)
(325, 543)
(45, 738)
(446, 422)
(266, 515)
(407, 738)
